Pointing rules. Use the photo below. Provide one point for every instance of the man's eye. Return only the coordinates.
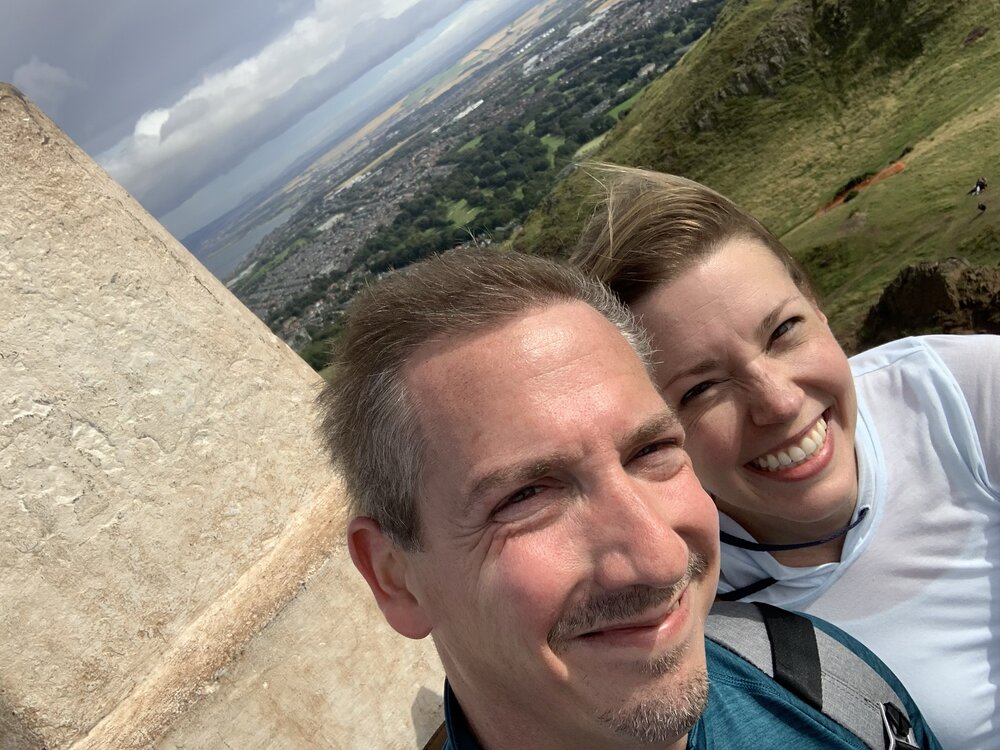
(522, 494)
(652, 448)
(647, 449)
(693, 393)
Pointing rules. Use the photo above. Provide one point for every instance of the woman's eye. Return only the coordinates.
(693, 393)
(784, 328)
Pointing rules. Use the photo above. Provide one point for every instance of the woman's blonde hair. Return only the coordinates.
(650, 227)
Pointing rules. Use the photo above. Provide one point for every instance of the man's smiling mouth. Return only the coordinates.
(650, 620)
(636, 615)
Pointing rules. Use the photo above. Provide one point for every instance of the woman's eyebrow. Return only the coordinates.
(764, 330)
(771, 320)
(706, 365)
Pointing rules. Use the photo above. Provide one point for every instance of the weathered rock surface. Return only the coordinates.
(171, 554)
(949, 296)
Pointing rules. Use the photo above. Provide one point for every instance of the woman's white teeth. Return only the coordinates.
(795, 454)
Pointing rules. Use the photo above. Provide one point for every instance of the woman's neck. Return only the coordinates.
(810, 556)
(817, 544)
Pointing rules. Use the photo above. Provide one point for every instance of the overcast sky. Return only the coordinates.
(194, 104)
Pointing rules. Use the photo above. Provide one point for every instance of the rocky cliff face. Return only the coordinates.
(759, 70)
(949, 296)
(842, 35)
(890, 31)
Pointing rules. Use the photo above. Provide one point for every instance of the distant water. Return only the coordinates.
(223, 262)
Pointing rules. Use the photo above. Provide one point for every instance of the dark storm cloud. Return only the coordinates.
(125, 57)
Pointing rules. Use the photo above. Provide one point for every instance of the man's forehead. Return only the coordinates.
(523, 375)
(527, 343)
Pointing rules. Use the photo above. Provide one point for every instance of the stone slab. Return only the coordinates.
(162, 493)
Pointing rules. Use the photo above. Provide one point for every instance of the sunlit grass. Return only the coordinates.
(783, 154)
(460, 212)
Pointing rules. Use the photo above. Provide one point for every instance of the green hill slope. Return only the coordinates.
(785, 102)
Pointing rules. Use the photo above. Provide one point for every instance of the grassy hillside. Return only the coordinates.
(784, 102)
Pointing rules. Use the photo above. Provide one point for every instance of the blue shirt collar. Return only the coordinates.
(460, 736)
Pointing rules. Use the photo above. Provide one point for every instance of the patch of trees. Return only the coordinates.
(498, 171)
(889, 33)
(514, 163)
(318, 352)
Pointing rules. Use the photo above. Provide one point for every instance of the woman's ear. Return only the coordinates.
(384, 566)
(820, 313)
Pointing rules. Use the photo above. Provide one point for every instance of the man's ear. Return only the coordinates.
(384, 566)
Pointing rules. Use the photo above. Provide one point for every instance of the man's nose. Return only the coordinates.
(634, 541)
(774, 396)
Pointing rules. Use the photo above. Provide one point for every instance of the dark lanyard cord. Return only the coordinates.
(763, 583)
(735, 541)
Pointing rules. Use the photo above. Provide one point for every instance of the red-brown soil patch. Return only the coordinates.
(889, 171)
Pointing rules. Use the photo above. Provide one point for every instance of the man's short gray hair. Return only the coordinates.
(369, 424)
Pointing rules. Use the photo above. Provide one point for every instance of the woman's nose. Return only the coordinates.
(774, 397)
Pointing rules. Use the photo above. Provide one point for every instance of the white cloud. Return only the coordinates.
(45, 84)
(149, 124)
(175, 150)
(393, 8)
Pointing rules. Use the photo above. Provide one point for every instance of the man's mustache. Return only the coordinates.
(618, 606)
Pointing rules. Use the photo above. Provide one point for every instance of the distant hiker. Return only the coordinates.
(979, 187)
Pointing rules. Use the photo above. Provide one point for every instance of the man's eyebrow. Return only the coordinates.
(653, 428)
(514, 475)
(519, 474)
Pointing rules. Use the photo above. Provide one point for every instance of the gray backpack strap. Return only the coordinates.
(817, 668)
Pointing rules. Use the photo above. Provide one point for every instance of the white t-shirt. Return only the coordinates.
(919, 578)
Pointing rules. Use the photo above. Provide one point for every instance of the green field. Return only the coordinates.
(775, 109)
(552, 143)
(470, 144)
(625, 106)
(460, 213)
(590, 147)
(555, 76)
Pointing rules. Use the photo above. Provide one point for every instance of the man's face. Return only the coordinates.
(569, 555)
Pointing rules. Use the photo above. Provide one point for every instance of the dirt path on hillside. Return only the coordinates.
(889, 171)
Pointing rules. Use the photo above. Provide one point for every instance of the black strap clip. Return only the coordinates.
(898, 733)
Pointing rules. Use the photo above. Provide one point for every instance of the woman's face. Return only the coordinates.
(763, 389)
